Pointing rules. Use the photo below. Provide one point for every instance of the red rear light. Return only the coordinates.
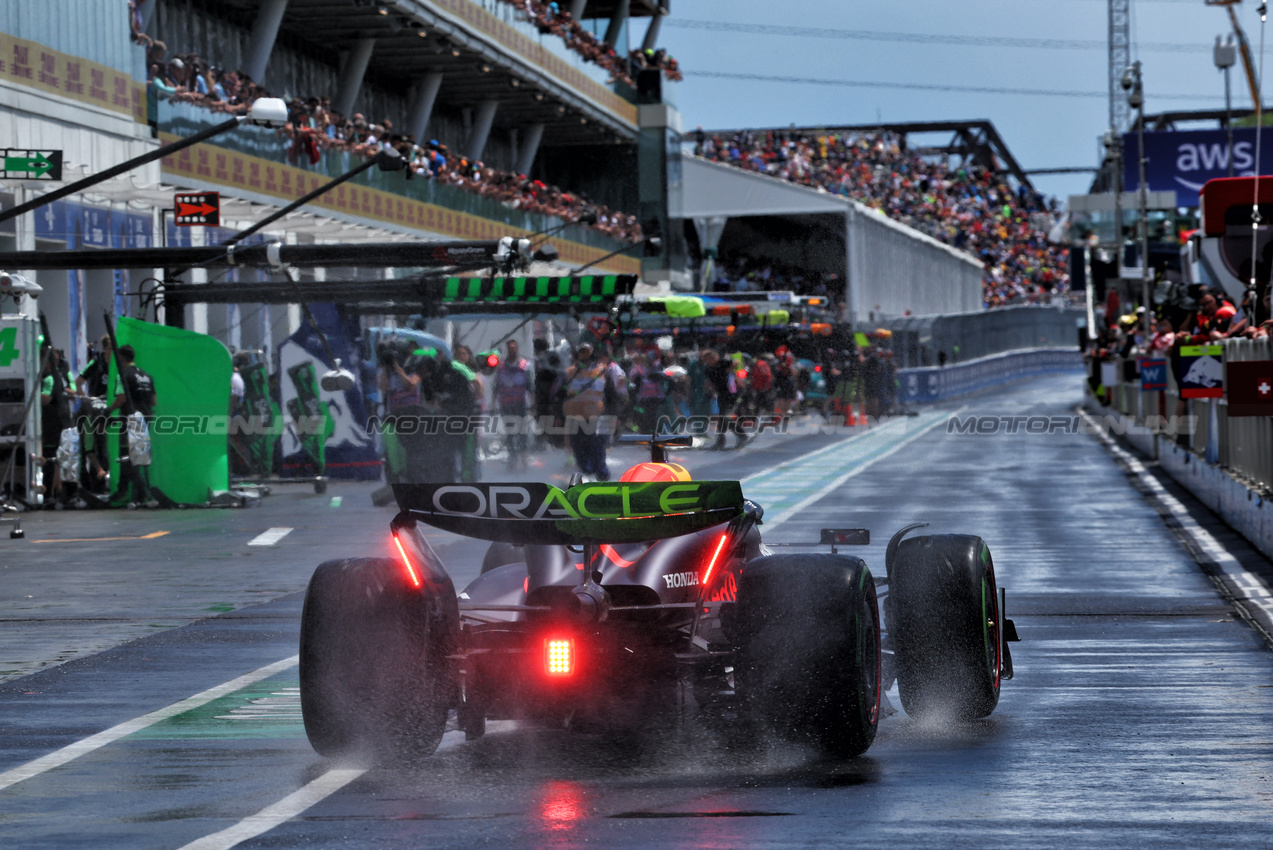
(711, 565)
(559, 656)
(411, 573)
(817, 368)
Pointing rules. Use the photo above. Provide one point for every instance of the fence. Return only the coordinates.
(916, 386)
(919, 340)
(1243, 445)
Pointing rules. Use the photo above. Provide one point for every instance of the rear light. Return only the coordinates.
(711, 564)
(411, 572)
(559, 656)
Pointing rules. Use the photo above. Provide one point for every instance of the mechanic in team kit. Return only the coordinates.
(55, 415)
(139, 397)
(446, 388)
(91, 420)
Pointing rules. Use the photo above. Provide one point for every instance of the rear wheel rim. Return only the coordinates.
(992, 626)
(871, 658)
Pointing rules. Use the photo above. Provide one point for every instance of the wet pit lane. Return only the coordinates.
(1141, 713)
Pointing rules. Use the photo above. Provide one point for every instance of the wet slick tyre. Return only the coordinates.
(807, 629)
(376, 679)
(943, 619)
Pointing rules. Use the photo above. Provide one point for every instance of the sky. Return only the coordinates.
(1042, 46)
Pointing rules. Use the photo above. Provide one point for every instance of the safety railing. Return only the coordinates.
(1243, 445)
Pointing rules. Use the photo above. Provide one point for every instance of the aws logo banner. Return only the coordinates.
(601, 512)
(1182, 161)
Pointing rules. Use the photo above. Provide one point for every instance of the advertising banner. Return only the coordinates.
(1183, 160)
(1153, 374)
(1202, 371)
(326, 431)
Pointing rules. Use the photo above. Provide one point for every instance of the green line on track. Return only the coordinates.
(270, 708)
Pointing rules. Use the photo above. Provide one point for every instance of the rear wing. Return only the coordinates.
(601, 512)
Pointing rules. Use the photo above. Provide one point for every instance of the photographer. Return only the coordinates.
(399, 388)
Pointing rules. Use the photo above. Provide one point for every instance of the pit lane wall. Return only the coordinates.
(937, 383)
(893, 268)
(1238, 485)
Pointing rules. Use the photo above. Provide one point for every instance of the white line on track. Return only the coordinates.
(1243, 585)
(860, 467)
(284, 810)
(69, 753)
(269, 537)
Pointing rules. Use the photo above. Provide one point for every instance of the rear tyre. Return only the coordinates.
(807, 629)
(376, 676)
(943, 619)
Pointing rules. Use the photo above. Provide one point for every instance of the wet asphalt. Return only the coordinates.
(1141, 713)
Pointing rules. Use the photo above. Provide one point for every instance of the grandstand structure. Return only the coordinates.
(966, 142)
(852, 212)
(476, 76)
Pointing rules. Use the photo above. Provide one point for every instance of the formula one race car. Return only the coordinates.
(611, 606)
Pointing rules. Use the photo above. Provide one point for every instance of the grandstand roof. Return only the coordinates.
(478, 65)
(976, 140)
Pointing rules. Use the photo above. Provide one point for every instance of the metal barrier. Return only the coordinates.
(918, 340)
(1244, 445)
(916, 386)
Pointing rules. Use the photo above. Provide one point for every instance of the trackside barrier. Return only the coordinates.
(1244, 444)
(1239, 487)
(936, 383)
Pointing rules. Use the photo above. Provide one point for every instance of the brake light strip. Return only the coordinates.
(711, 565)
(411, 573)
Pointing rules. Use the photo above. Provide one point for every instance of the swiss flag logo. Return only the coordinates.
(1251, 390)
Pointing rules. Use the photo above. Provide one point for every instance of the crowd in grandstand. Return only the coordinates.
(968, 207)
(313, 128)
(551, 19)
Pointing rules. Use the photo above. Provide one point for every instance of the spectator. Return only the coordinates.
(1214, 316)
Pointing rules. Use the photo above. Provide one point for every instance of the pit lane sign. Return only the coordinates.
(22, 164)
(197, 209)
(1250, 387)
(1202, 371)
